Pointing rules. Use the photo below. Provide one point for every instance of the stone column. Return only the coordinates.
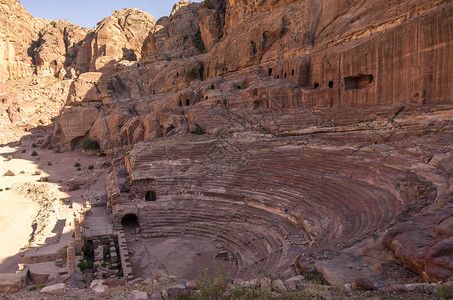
(71, 258)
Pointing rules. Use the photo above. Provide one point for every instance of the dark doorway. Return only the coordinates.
(130, 221)
(150, 196)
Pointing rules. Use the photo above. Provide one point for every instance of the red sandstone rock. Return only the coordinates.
(417, 245)
(111, 283)
(362, 283)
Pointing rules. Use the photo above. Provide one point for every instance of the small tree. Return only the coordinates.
(82, 265)
(89, 144)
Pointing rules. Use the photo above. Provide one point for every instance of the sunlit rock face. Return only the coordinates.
(324, 124)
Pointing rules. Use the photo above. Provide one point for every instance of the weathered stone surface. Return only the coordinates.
(266, 284)
(445, 228)
(57, 47)
(37, 276)
(438, 261)
(139, 295)
(175, 37)
(363, 283)
(393, 288)
(192, 285)
(178, 289)
(117, 37)
(75, 122)
(420, 248)
(210, 23)
(277, 285)
(101, 290)
(155, 295)
(14, 58)
(56, 289)
(111, 283)
(10, 283)
(292, 283)
(86, 88)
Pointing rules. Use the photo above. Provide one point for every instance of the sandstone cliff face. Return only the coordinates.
(18, 29)
(117, 37)
(176, 36)
(262, 31)
(179, 95)
(57, 47)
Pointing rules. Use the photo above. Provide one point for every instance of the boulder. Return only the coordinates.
(292, 283)
(362, 283)
(155, 295)
(74, 122)
(101, 290)
(445, 228)
(438, 261)
(86, 88)
(279, 286)
(266, 284)
(10, 283)
(192, 285)
(178, 289)
(139, 295)
(56, 289)
(111, 283)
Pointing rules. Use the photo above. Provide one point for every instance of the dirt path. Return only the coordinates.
(23, 196)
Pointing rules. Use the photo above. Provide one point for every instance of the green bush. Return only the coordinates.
(36, 287)
(89, 144)
(34, 153)
(82, 265)
(76, 165)
(90, 167)
(446, 291)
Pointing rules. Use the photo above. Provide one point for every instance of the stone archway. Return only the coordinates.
(130, 221)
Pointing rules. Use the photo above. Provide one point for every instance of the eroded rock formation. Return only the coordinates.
(298, 135)
(18, 29)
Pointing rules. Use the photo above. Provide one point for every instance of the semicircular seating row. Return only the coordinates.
(266, 203)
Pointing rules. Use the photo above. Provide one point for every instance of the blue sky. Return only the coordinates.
(87, 13)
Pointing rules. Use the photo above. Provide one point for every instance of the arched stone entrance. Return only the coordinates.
(130, 221)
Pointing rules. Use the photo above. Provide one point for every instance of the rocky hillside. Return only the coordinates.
(209, 66)
(368, 77)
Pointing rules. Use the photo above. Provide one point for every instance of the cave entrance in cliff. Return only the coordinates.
(150, 196)
(358, 82)
(130, 221)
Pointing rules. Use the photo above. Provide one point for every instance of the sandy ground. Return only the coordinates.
(185, 258)
(17, 211)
